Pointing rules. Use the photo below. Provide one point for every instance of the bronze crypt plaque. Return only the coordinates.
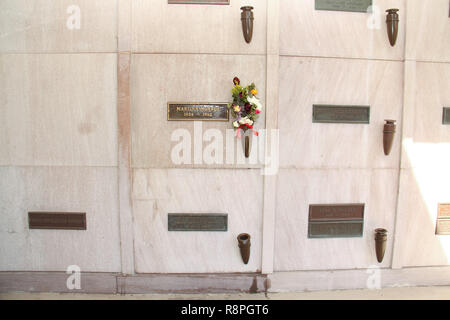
(197, 222)
(336, 221)
(344, 5)
(446, 116)
(57, 220)
(197, 111)
(199, 2)
(443, 219)
(341, 114)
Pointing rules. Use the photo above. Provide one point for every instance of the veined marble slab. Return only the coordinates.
(428, 35)
(426, 141)
(297, 189)
(421, 190)
(42, 26)
(60, 189)
(158, 79)
(308, 81)
(160, 27)
(157, 192)
(58, 109)
(305, 31)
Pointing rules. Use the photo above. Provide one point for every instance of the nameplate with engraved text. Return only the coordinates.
(197, 222)
(446, 116)
(197, 111)
(341, 114)
(444, 211)
(344, 5)
(443, 219)
(199, 1)
(336, 221)
(57, 220)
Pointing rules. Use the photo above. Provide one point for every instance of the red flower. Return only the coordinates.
(236, 81)
(248, 107)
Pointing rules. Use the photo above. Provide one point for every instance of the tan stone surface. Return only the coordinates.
(297, 189)
(58, 109)
(305, 31)
(41, 26)
(428, 30)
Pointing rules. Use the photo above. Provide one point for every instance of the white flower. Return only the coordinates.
(255, 101)
(235, 124)
(246, 120)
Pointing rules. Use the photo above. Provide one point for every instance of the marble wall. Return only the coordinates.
(186, 78)
(40, 26)
(426, 141)
(83, 127)
(188, 61)
(345, 58)
(58, 133)
(196, 29)
(157, 192)
(307, 32)
(424, 168)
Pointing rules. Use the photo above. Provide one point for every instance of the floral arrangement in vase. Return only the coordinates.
(246, 107)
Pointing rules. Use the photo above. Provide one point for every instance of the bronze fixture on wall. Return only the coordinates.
(380, 243)
(247, 146)
(388, 135)
(57, 220)
(247, 142)
(244, 246)
(392, 20)
(247, 23)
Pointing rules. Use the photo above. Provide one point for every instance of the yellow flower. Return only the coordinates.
(236, 108)
(254, 92)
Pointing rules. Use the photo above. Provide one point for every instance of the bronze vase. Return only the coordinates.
(380, 243)
(388, 136)
(244, 246)
(392, 20)
(247, 142)
(247, 23)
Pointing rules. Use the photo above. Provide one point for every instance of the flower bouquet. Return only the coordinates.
(245, 108)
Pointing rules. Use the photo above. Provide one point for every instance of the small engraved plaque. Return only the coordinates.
(443, 219)
(343, 229)
(199, 1)
(444, 211)
(197, 111)
(57, 220)
(336, 221)
(446, 116)
(336, 212)
(197, 222)
(344, 5)
(341, 114)
(443, 227)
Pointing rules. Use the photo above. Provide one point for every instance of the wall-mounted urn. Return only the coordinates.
(244, 246)
(380, 243)
(247, 23)
(392, 20)
(247, 142)
(388, 135)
